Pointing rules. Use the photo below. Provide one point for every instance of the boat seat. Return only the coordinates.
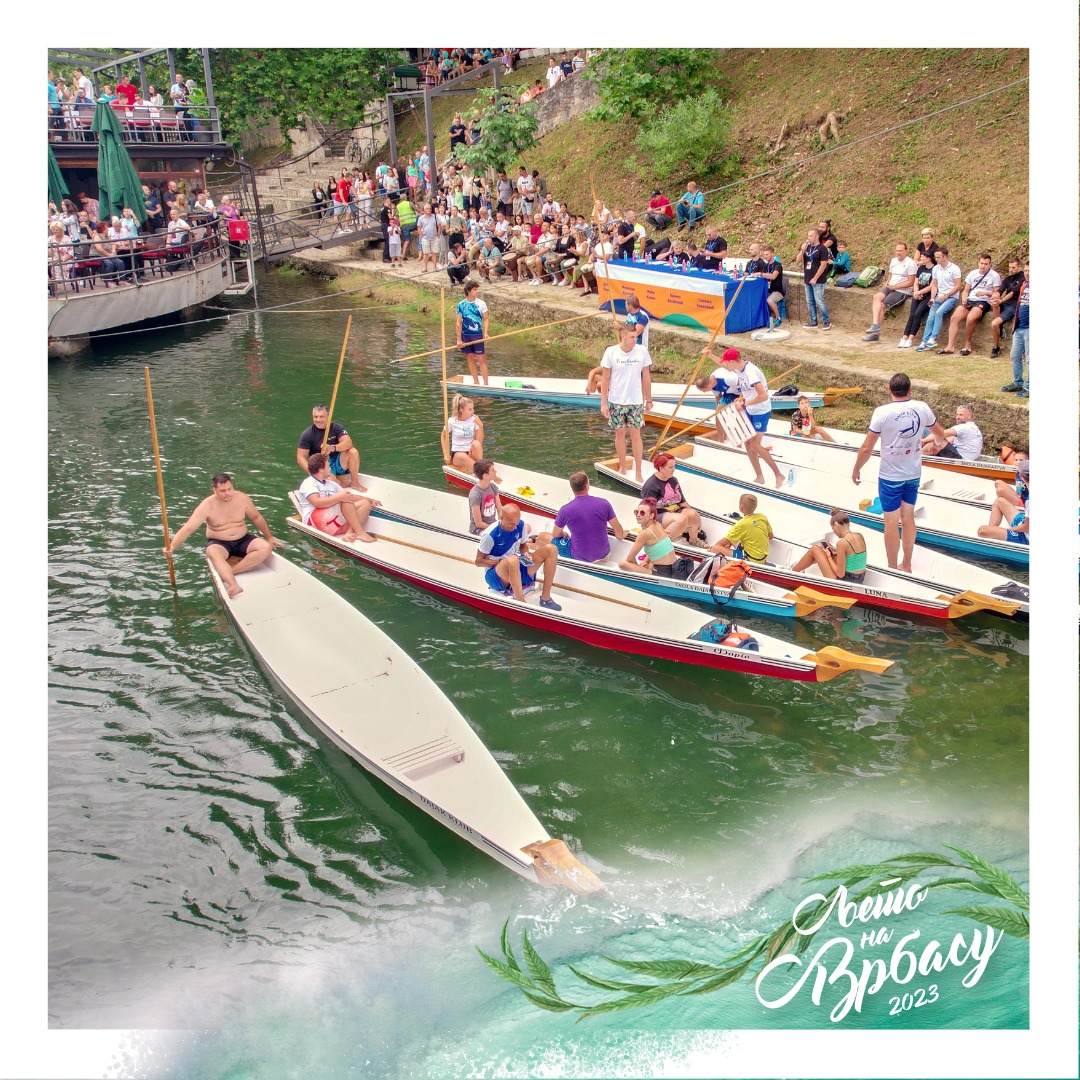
(422, 756)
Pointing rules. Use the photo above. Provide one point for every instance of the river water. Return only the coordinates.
(219, 869)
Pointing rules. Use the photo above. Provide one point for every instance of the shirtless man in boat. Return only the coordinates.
(332, 509)
(224, 513)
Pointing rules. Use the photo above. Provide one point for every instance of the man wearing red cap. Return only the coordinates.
(755, 401)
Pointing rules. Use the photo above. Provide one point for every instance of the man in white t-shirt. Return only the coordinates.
(945, 282)
(898, 288)
(330, 508)
(963, 440)
(899, 425)
(976, 300)
(754, 400)
(554, 72)
(625, 394)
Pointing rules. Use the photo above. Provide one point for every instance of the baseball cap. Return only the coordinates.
(656, 191)
(731, 355)
(661, 460)
(1022, 467)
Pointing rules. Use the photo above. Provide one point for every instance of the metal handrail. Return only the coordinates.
(167, 124)
(209, 247)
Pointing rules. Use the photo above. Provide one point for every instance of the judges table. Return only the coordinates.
(694, 298)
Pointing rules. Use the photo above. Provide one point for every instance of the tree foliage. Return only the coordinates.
(253, 86)
(508, 126)
(690, 137)
(636, 83)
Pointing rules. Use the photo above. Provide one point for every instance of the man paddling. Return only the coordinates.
(344, 457)
(899, 425)
(332, 509)
(224, 514)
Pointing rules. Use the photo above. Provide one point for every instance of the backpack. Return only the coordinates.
(845, 281)
(869, 277)
(724, 575)
(721, 633)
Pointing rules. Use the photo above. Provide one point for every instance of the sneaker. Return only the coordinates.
(826, 326)
(873, 328)
(1012, 388)
(995, 352)
(1021, 393)
(932, 343)
(922, 347)
(905, 343)
(809, 325)
(550, 605)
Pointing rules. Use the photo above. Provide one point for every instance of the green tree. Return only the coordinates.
(508, 126)
(689, 137)
(635, 83)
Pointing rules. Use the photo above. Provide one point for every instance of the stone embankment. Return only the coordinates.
(838, 358)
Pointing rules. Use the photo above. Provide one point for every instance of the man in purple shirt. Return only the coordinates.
(587, 517)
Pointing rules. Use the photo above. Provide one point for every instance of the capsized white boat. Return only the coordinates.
(571, 392)
(939, 587)
(692, 423)
(839, 461)
(428, 753)
(593, 610)
(448, 513)
(940, 522)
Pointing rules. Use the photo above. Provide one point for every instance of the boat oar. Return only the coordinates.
(442, 329)
(832, 661)
(337, 380)
(495, 337)
(968, 602)
(160, 481)
(834, 393)
(808, 600)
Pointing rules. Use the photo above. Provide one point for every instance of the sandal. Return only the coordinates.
(945, 352)
(965, 352)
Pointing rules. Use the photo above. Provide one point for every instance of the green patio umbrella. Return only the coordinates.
(118, 182)
(57, 188)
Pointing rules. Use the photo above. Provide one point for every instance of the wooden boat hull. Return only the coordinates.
(429, 755)
(937, 578)
(684, 420)
(941, 523)
(595, 612)
(919, 594)
(448, 513)
(571, 392)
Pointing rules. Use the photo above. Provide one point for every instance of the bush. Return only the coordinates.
(690, 138)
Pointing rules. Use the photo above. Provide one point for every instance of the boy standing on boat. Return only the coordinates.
(471, 319)
(899, 425)
(511, 564)
(225, 513)
(625, 394)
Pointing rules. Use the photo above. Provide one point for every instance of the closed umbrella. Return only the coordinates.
(57, 188)
(118, 182)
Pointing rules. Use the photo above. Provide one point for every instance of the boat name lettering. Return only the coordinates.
(832, 963)
(442, 813)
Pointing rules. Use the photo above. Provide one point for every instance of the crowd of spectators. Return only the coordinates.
(87, 247)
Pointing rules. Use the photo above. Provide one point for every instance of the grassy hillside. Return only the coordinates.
(964, 172)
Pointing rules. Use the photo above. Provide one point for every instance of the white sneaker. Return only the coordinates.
(904, 343)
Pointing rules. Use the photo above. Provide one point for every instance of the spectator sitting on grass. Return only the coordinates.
(979, 288)
(660, 212)
(1004, 303)
(841, 261)
(690, 209)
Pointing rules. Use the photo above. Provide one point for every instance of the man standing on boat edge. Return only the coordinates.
(625, 394)
(899, 425)
(224, 513)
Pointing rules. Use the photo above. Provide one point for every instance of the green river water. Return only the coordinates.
(218, 869)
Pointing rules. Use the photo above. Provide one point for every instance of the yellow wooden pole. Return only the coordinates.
(495, 337)
(160, 480)
(442, 329)
(337, 381)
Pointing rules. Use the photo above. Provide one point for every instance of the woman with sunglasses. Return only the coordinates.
(659, 551)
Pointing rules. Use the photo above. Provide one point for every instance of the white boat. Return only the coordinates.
(940, 522)
(691, 423)
(378, 706)
(571, 392)
(940, 586)
(839, 461)
(449, 513)
(595, 611)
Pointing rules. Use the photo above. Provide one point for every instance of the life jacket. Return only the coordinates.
(729, 573)
(727, 634)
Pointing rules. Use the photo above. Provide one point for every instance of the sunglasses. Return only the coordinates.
(640, 513)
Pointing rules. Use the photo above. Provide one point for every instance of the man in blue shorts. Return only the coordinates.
(471, 318)
(588, 518)
(512, 561)
(344, 457)
(899, 425)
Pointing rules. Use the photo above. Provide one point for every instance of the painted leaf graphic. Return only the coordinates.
(666, 969)
(993, 875)
(505, 971)
(540, 972)
(1013, 923)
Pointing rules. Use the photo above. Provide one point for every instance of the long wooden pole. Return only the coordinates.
(442, 330)
(495, 337)
(603, 253)
(160, 480)
(337, 381)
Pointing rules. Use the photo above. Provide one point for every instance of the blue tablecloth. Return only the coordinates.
(750, 310)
